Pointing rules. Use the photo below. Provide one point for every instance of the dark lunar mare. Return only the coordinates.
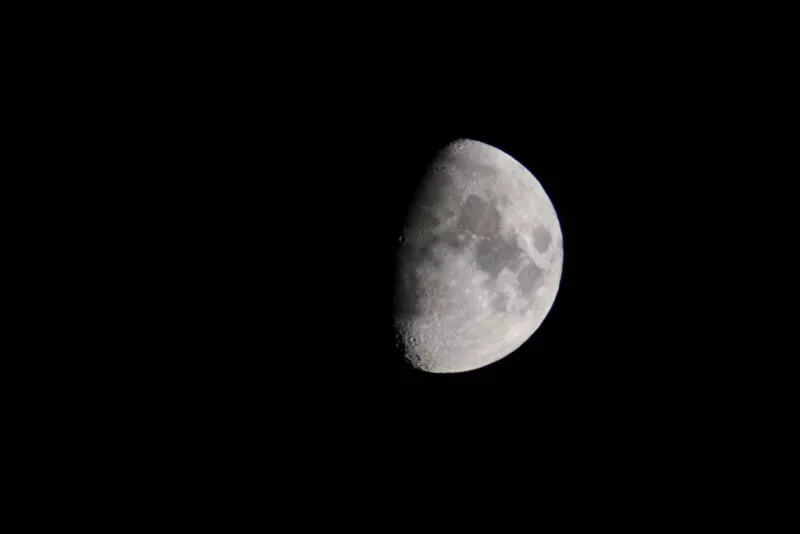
(530, 278)
(479, 219)
(495, 253)
(541, 238)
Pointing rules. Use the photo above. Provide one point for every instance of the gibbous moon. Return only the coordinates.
(479, 262)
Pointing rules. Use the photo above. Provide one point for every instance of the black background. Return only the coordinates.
(656, 391)
(225, 296)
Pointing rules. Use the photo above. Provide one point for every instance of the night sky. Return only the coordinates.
(217, 328)
(655, 391)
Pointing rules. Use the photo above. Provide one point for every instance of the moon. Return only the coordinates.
(479, 262)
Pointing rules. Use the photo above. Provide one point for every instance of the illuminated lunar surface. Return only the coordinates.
(479, 262)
